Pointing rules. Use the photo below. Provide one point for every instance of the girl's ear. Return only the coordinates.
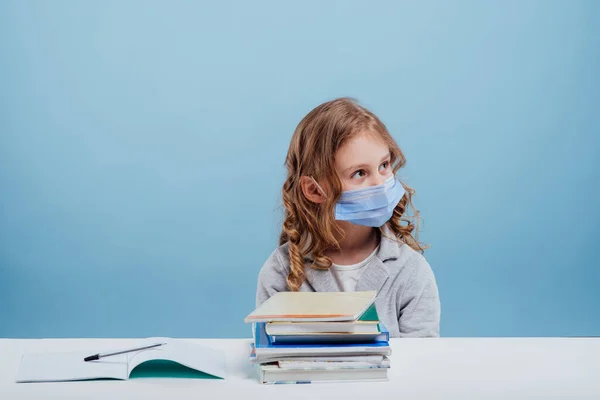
(312, 190)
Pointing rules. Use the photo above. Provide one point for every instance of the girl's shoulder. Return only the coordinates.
(400, 257)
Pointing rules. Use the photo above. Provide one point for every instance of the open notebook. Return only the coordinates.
(177, 358)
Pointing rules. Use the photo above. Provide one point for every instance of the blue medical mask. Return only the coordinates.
(370, 206)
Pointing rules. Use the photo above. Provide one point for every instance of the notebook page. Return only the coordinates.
(195, 356)
(69, 366)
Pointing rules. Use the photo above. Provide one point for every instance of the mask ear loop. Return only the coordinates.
(319, 186)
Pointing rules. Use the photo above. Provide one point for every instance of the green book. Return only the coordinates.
(370, 314)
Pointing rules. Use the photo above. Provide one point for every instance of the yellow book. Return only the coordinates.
(313, 307)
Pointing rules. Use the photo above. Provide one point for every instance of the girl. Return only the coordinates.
(342, 229)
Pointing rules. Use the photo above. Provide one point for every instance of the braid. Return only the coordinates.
(291, 234)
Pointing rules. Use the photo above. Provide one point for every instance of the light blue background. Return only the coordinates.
(142, 147)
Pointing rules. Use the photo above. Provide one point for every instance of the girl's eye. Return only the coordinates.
(358, 174)
(384, 166)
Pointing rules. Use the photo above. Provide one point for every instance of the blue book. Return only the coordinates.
(265, 347)
(331, 338)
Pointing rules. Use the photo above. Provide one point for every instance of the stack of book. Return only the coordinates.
(302, 337)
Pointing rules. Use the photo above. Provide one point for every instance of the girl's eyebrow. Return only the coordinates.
(357, 166)
(362, 166)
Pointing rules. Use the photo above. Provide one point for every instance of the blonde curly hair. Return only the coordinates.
(310, 228)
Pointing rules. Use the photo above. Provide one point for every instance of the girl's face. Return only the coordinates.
(363, 161)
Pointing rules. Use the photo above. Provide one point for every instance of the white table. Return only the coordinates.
(450, 368)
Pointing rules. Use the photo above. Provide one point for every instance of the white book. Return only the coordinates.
(365, 358)
(275, 355)
(316, 365)
(272, 374)
(313, 307)
(70, 366)
(356, 350)
(303, 328)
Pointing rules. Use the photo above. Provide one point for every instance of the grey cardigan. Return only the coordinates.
(407, 295)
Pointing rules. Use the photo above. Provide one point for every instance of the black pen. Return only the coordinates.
(101, 355)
